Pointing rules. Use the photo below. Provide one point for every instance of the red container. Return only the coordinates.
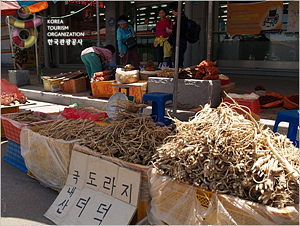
(13, 128)
(253, 105)
(224, 81)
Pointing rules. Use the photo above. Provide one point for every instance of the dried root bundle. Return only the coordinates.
(222, 151)
(131, 137)
(26, 117)
(67, 129)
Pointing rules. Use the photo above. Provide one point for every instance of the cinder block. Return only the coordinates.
(191, 92)
(19, 77)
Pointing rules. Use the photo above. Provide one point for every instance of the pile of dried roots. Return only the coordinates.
(68, 129)
(222, 151)
(26, 117)
(131, 136)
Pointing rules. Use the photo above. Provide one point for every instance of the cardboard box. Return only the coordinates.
(102, 89)
(52, 85)
(230, 88)
(74, 85)
(138, 90)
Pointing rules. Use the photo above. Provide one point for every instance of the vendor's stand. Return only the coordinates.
(254, 179)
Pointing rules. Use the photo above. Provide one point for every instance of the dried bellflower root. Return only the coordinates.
(131, 136)
(224, 152)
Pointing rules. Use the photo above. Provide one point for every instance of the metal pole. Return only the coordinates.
(45, 40)
(175, 79)
(98, 24)
(36, 56)
(188, 11)
(11, 42)
(209, 29)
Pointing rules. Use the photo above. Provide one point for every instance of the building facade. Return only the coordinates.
(267, 51)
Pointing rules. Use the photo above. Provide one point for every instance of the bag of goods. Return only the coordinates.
(271, 100)
(207, 70)
(291, 101)
(166, 72)
(260, 90)
(129, 67)
(125, 77)
(225, 80)
(150, 66)
(101, 76)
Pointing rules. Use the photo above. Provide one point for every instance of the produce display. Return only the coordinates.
(150, 66)
(129, 67)
(268, 99)
(101, 76)
(166, 72)
(222, 151)
(294, 99)
(68, 129)
(26, 117)
(131, 137)
(8, 99)
(259, 87)
(207, 70)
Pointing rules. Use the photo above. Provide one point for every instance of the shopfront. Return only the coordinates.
(266, 50)
(263, 51)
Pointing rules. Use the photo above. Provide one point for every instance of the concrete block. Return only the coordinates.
(191, 92)
(19, 77)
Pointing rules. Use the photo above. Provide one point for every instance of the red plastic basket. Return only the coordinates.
(13, 128)
(253, 105)
(224, 81)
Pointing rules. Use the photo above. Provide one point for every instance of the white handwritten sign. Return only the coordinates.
(96, 192)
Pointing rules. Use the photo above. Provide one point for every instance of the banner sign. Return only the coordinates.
(254, 17)
(92, 3)
(96, 192)
(293, 17)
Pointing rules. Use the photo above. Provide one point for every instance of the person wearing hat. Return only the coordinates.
(183, 29)
(94, 57)
(125, 31)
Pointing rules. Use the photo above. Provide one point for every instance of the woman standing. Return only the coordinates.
(163, 47)
(20, 58)
(124, 32)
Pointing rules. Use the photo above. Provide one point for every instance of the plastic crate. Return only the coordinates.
(5, 110)
(224, 81)
(13, 128)
(253, 105)
(13, 156)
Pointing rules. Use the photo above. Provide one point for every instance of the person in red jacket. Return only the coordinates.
(162, 26)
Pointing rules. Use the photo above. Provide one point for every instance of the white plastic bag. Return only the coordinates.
(175, 203)
(125, 77)
(46, 158)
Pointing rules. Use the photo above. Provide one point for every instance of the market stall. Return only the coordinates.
(220, 167)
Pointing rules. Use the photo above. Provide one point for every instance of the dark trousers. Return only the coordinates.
(182, 49)
(135, 57)
(160, 56)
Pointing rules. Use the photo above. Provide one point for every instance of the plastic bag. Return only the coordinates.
(10, 88)
(273, 104)
(175, 203)
(69, 113)
(288, 104)
(246, 96)
(46, 158)
(125, 77)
